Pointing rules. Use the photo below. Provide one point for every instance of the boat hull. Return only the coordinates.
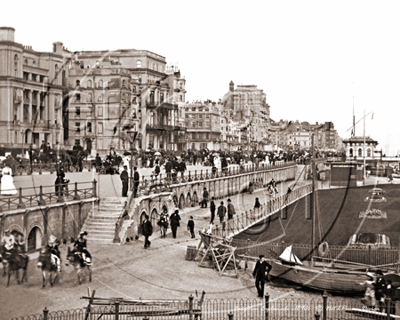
(324, 279)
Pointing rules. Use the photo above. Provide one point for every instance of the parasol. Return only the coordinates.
(157, 154)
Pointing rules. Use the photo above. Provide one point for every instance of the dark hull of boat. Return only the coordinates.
(324, 279)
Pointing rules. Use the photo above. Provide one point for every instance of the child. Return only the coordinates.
(190, 226)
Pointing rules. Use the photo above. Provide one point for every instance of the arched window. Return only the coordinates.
(359, 152)
(138, 64)
(89, 83)
(78, 83)
(368, 152)
(26, 62)
(154, 66)
(56, 68)
(100, 83)
(16, 64)
(351, 152)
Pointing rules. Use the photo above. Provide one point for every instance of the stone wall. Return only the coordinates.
(63, 220)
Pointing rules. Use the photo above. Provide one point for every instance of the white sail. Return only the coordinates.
(289, 256)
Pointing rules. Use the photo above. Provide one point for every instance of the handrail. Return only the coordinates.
(244, 220)
(32, 197)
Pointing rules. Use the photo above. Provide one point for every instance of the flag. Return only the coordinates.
(372, 118)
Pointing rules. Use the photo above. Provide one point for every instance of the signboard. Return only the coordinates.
(345, 174)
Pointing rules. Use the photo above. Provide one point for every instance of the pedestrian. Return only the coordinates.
(136, 180)
(174, 221)
(212, 209)
(125, 181)
(147, 229)
(163, 224)
(98, 163)
(231, 209)
(168, 169)
(205, 198)
(257, 204)
(190, 227)
(261, 272)
(380, 287)
(182, 167)
(221, 214)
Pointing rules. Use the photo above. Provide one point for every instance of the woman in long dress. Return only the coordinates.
(7, 183)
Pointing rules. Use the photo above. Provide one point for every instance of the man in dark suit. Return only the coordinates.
(174, 221)
(147, 231)
(125, 181)
(136, 180)
(168, 169)
(212, 209)
(260, 272)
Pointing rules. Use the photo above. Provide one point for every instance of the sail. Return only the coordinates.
(289, 256)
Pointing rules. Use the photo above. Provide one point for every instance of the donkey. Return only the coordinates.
(13, 261)
(76, 260)
(48, 268)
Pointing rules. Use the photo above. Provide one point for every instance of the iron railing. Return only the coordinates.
(44, 195)
(242, 309)
(244, 220)
(368, 256)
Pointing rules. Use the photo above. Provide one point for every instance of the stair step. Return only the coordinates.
(106, 217)
(100, 228)
(101, 234)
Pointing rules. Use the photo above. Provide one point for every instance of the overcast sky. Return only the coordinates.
(309, 57)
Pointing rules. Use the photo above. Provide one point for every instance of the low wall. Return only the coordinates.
(63, 220)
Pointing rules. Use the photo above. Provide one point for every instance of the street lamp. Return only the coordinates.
(133, 135)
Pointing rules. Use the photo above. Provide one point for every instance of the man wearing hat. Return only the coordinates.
(125, 181)
(174, 221)
(80, 247)
(260, 272)
(55, 253)
(8, 241)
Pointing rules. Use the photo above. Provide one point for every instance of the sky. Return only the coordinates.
(315, 60)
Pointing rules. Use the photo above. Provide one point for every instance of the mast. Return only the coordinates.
(312, 204)
(364, 148)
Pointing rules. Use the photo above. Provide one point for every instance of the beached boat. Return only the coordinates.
(324, 278)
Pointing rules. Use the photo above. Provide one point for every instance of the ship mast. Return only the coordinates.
(312, 204)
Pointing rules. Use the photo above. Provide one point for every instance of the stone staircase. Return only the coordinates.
(100, 224)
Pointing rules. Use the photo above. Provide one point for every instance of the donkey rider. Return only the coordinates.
(55, 253)
(80, 247)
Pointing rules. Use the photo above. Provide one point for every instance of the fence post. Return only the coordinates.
(117, 311)
(388, 305)
(41, 200)
(191, 307)
(324, 305)
(21, 205)
(45, 313)
(230, 316)
(60, 193)
(94, 185)
(40, 167)
(266, 306)
(76, 197)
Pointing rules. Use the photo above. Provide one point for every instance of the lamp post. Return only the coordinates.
(133, 135)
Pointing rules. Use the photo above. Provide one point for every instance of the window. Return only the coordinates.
(207, 116)
(138, 64)
(78, 111)
(78, 83)
(207, 124)
(368, 152)
(123, 83)
(187, 116)
(200, 124)
(78, 97)
(359, 152)
(193, 124)
(100, 111)
(89, 83)
(207, 136)
(100, 83)
(26, 62)
(100, 99)
(89, 127)
(78, 142)
(193, 135)
(181, 98)
(89, 97)
(100, 127)
(200, 116)
(351, 152)
(78, 126)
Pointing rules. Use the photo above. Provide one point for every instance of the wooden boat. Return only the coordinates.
(330, 279)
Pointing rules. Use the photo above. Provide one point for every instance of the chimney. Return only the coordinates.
(7, 34)
(58, 47)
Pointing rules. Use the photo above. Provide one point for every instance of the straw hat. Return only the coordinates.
(52, 239)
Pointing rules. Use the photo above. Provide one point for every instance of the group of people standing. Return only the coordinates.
(164, 222)
(377, 290)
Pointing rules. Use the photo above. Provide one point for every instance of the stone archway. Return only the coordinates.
(189, 202)
(154, 217)
(181, 201)
(195, 200)
(175, 199)
(141, 221)
(34, 239)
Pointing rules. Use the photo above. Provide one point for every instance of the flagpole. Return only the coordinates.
(364, 149)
